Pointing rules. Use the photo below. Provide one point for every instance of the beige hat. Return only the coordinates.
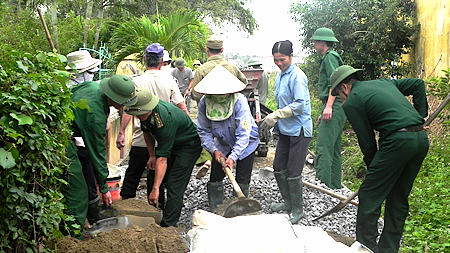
(214, 42)
(219, 81)
(82, 60)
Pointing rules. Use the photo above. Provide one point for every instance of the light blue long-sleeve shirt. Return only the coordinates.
(291, 89)
(238, 133)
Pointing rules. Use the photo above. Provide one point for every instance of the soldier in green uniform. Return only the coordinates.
(90, 124)
(392, 166)
(332, 120)
(172, 161)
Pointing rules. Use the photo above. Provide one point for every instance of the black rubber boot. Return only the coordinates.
(215, 194)
(93, 211)
(296, 192)
(284, 190)
(244, 189)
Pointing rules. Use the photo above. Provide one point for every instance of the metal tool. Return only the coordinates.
(243, 205)
(344, 202)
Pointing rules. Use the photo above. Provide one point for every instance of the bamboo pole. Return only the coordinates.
(49, 38)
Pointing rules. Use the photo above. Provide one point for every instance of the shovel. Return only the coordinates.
(343, 203)
(243, 205)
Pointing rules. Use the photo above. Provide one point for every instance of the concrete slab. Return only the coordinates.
(137, 207)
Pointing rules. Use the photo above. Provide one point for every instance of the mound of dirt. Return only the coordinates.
(152, 239)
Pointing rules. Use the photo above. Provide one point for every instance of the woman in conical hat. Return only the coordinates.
(227, 130)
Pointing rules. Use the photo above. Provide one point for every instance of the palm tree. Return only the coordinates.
(182, 34)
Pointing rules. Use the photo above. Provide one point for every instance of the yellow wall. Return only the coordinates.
(432, 50)
(115, 155)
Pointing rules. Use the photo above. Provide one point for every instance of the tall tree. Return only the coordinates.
(372, 34)
(218, 11)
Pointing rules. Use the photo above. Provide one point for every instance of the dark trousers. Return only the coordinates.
(138, 162)
(179, 168)
(390, 177)
(290, 154)
(88, 172)
(243, 170)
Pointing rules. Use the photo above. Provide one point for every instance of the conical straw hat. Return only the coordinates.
(219, 81)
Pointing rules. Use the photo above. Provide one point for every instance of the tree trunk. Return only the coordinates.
(99, 25)
(90, 4)
(55, 24)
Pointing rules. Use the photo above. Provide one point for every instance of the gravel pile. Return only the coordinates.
(263, 188)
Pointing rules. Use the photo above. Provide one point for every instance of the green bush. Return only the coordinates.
(35, 127)
(428, 221)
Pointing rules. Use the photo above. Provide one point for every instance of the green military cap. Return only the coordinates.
(324, 34)
(339, 74)
(120, 89)
(146, 102)
(253, 62)
(179, 63)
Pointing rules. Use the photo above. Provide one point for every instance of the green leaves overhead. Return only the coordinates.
(181, 33)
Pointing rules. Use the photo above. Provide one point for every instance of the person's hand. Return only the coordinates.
(153, 197)
(327, 112)
(217, 155)
(187, 92)
(120, 142)
(269, 121)
(230, 163)
(106, 198)
(151, 163)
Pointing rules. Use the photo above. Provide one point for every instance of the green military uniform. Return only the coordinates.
(328, 148)
(212, 62)
(394, 164)
(91, 125)
(179, 142)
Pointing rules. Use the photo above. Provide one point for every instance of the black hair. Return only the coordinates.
(283, 47)
(355, 76)
(152, 61)
(329, 43)
(214, 51)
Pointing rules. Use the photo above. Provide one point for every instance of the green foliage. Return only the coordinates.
(440, 88)
(372, 34)
(22, 30)
(219, 11)
(35, 127)
(182, 33)
(271, 103)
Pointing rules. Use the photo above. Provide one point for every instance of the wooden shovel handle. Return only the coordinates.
(232, 180)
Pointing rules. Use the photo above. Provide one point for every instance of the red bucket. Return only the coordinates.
(114, 187)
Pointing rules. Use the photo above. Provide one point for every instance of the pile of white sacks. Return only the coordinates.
(259, 233)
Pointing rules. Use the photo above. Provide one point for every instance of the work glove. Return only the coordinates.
(270, 120)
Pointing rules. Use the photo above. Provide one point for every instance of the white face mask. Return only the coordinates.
(81, 78)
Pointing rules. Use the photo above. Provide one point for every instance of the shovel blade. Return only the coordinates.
(333, 210)
(241, 207)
